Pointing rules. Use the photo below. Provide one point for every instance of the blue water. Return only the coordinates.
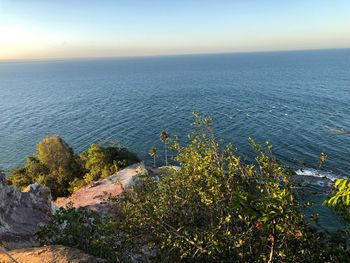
(299, 101)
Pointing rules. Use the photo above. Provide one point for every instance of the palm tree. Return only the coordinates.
(164, 136)
(153, 153)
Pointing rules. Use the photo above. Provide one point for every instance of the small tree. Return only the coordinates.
(55, 154)
(164, 137)
(153, 153)
(55, 165)
(97, 162)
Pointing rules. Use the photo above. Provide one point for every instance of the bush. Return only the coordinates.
(82, 229)
(62, 163)
(101, 162)
(340, 198)
(55, 165)
(216, 208)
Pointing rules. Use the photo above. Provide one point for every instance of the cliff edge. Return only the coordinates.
(22, 213)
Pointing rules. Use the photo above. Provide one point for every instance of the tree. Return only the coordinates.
(153, 153)
(54, 165)
(63, 165)
(164, 136)
(98, 163)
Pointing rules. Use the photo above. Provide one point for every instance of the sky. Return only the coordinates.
(43, 29)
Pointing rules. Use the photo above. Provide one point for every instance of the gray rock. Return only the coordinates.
(22, 214)
(2, 178)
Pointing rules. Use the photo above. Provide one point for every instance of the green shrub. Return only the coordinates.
(101, 162)
(63, 165)
(215, 208)
(340, 198)
(98, 162)
(82, 229)
(29, 173)
(54, 165)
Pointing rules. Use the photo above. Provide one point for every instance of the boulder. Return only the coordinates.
(22, 214)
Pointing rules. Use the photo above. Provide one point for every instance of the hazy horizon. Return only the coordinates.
(33, 30)
(168, 55)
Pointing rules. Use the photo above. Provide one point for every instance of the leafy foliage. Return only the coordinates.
(54, 165)
(153, 153)
(62, 164)
(340, 199)
(100, 162)
(215, 208)
(58, 167)
(82, 229)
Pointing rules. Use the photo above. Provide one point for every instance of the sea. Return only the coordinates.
(297, 100)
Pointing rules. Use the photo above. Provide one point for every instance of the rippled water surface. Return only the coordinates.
(299, 101)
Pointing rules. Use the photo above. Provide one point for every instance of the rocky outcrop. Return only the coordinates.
(22, 213)
(49, 254)
(95, 196)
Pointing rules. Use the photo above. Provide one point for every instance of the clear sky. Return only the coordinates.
(33, 29)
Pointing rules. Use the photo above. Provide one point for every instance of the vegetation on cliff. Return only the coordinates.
(83, 229)
(215, 208)
(340, 198)
(56, 165)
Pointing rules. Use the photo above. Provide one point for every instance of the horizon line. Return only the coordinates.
(166, 55)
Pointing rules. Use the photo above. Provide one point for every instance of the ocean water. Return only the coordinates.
(299, 101)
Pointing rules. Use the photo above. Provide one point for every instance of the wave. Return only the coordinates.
(326, 177)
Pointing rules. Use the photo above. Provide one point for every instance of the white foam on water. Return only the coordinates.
(320, 178)
(317, 174)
